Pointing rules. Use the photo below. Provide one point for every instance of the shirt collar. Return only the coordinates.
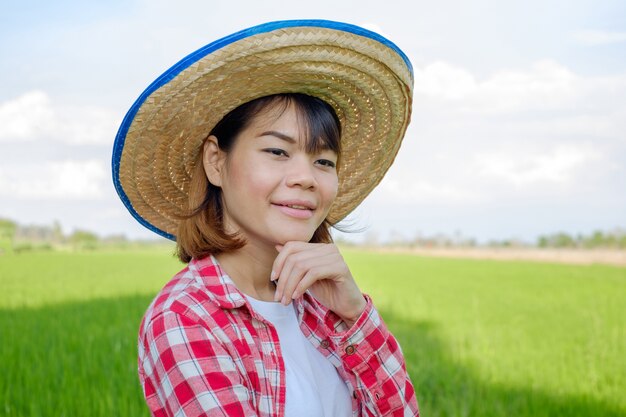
(222, 289)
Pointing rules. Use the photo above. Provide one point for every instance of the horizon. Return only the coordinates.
(436, 239)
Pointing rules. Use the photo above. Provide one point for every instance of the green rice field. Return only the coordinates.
(481, 338)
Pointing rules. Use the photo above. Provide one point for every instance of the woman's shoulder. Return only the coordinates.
(200, 292)
(182, 295)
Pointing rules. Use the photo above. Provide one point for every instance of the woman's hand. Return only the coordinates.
(319, 267)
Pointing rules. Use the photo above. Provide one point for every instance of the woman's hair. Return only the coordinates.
(200, 230)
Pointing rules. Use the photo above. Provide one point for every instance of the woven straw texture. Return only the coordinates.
(368, 84)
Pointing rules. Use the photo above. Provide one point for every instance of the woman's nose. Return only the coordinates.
(300, 173)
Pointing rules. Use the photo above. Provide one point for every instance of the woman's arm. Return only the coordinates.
(187, 372)
(368, 350)
(372, 355)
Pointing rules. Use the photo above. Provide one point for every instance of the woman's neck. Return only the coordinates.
(250, 268)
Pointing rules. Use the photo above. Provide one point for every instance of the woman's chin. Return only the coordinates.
(293, 237)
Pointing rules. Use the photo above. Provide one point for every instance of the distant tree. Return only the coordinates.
(83, 239)
(115, 239)
(7, 228)
(471, 242)
(34, 233)
(57, 232)
(7, 234)
(597, 239)
(563, 240)
(615, 239)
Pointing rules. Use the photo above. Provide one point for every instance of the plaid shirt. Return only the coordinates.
(203, 351)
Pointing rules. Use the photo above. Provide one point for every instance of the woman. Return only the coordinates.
(303, 120)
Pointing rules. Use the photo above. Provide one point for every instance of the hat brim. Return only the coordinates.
(363, 76)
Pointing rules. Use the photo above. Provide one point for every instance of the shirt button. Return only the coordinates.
(325, 344)
(377, 395)
(350, 350)
(354, 394)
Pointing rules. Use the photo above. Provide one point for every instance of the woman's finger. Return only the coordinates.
(278, 271)
(290, 282)
(302, 264)
(283, 252)
(294, 267)
(288, 257)
(313, 275)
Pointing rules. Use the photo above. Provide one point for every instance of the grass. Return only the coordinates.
(495, 338)
(481, 338)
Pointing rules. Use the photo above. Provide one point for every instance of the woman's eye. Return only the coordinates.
(326, 163)
(276, 151)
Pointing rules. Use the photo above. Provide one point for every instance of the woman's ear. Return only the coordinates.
(213, 161)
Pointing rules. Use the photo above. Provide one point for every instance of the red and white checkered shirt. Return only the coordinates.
(203, 351)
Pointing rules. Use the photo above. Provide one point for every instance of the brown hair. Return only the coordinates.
(200, 230)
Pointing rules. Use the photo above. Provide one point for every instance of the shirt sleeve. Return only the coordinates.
(373, 356)
(187, 372)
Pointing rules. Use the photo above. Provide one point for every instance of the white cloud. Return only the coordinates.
(408, 190)
(546, 85)
(443, 81)
(601, 126)
(26, 117)
(599, 37)
(541, 133)
(34, 116)
(53, 180)
(560, 165)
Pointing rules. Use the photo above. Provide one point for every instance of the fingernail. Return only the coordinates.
(295, 295)
(276, 296)
(272, 276)
(284, 301)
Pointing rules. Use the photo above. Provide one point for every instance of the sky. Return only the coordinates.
(518, 125)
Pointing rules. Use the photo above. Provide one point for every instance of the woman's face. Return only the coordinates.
(273, 191)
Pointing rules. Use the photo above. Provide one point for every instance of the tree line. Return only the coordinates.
(615, 239)
(16, 238)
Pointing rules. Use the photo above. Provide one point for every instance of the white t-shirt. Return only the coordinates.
(314, 388)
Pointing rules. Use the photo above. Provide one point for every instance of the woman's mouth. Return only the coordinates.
(298, 210)
(296, 206)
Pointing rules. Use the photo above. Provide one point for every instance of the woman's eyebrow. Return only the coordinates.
(278, 135)
(323, 146)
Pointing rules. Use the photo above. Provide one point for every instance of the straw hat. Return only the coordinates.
(363, 76)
